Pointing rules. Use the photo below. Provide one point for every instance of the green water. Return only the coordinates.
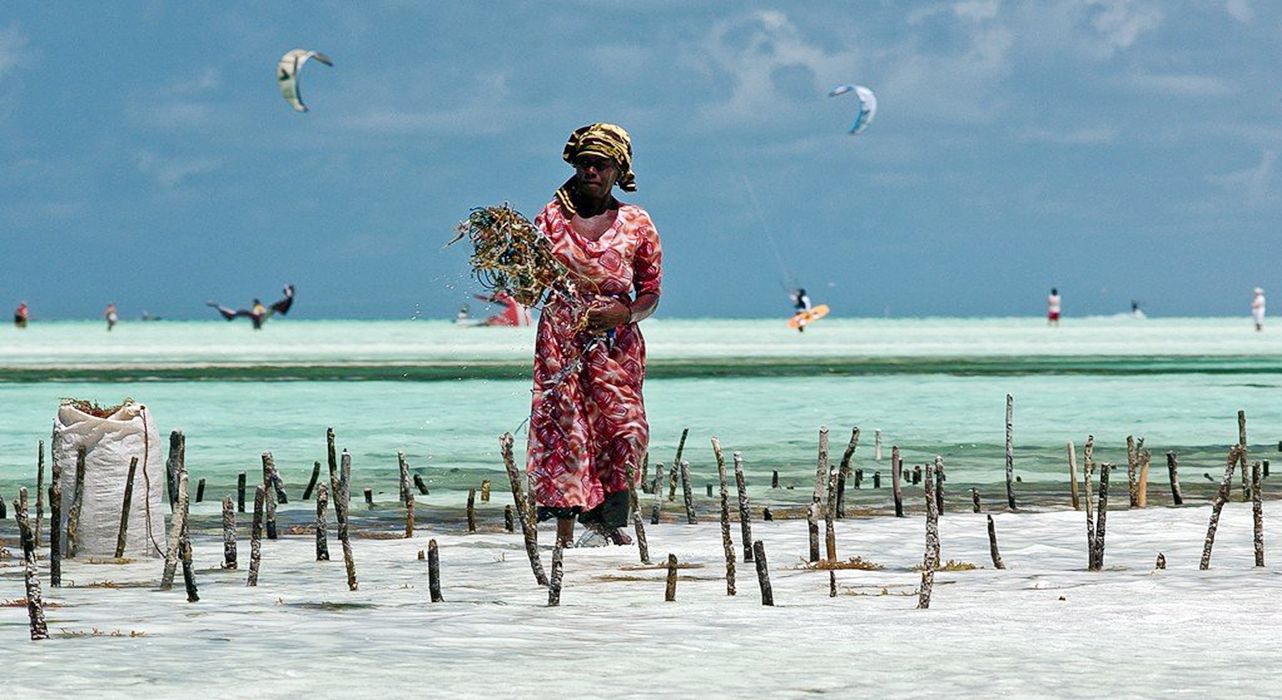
(444, 394)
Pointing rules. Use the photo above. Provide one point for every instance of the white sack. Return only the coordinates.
(109, 444)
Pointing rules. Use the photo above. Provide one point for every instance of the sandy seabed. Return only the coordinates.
(1043, 626)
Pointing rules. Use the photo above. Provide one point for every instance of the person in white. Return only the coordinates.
(1257, 309)
(1052, 308)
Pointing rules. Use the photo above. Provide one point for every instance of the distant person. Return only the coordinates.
(1136, 311)
(464, 315)
(257, 313)
(111, 316)
(1052, 308)
(801, 304)
(21, 315)
(514, 313)
(1257, 309)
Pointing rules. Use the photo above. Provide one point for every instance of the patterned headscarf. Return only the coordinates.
(604, 140)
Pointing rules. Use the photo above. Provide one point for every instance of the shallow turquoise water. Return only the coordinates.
(934, 386)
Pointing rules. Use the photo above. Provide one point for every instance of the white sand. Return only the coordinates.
(1043, 626)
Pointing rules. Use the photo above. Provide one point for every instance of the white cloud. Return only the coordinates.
(13, 45)
(1254, 184)
(1085, 136)
(172, 172)
(1121, 22)
(977, 9)
(1240, 10)
(1182, 84)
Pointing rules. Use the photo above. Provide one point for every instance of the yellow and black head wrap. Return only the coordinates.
(600, 139)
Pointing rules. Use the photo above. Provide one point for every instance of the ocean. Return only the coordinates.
(444, 394)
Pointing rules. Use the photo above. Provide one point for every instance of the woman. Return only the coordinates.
(587, 424)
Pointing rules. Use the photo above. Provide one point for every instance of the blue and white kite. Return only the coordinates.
(867, 105)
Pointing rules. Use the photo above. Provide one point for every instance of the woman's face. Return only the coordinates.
(596, 175)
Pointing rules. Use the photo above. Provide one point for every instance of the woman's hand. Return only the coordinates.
(605, 313)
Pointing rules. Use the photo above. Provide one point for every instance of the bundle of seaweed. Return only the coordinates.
(509, 254)
(93, 408)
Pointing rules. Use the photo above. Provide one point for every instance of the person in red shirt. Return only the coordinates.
(21, 315)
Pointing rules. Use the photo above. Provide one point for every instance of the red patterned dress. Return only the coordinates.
(586, 429)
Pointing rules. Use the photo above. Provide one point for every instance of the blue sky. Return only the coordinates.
(1117, 149)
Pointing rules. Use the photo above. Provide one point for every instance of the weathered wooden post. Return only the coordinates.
(1088, 470)
(634, 507)
(1257, 514)
(1172, 469)
(774, 479)
(174, 549)
(676, 464)
(471, 510)
(369, 498)
(763, 573)
(819, 495)
(407, 496)
(434, 572)
(122, 532)
(240, 492)
(200, 491)
(1072, 475)
(1010, 452)
(554, 586)
(270, 504)
(727, 545)
(256, 537)
(342, 504)
(974, 500)
(40, 485)
(55, 526)
(745, 512)
(77, 504)
(876, 446)
(992, 544)
(322, 536)
(708, 489)
(189, 573)
(31, 574)
(931, 559)
(1241, 441)
(1132, 464)
(177, 445)
(311, 483)
(876, 480)
(939, 486)
(229, 534)
(896, 476)
(916, 475)
(689, 496)
(420, 485)
(523, 511)
(1101, 514)
(1221, 497)
(670, 591)
(1145, 459)
(844, 472)
(509, 524)
(659, 485)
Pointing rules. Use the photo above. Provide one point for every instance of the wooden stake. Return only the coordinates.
(229, 534)
(745, 512)
(122, 531)
(1173, 470)
(1132, 465)
(256, 537)
(774, 479)
(77, 503)
(554, 586)
(1072, 475)
(55, 527)
(485, 490)
(832, 583)
(1221, 497)
(407, 496)
(812, 527)
(939, 486)
(670, 592)
(829, 508)
(763, 573)
(269, 466)
(240, 492)
(931, 559)
(369, 499)
(992, 545)
(876, 448)
(727, 545)
(659, 484)
(1088, 470)
(676, 463)
(708, 489)
(843, 471)
(421, 485)
(471, 510)
(896, 477)
(819, 495)
(1101, 513)
(189, 573)
(1145, 460)
(1241, 441)
(311, 483)
(643, 548)
(974, 500)
(1257, 514)
(434, 572)
(200, 491)
(174, 549)
(31, 574)
(177, 446)
(508, 523)
(342, 501)
(876, 480)
(1010, 452)
(523, 511)
(40, 486)
(689, 497)
(322, 534)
